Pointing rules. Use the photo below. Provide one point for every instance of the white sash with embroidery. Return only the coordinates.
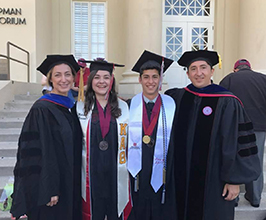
(122, 174)
(135, 138)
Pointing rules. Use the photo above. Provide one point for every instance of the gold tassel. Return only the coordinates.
(81, 87)
(220, 61)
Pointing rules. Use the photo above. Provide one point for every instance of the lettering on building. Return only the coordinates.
(10, 16)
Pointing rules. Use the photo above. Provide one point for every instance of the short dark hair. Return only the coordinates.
(244, 66)
(150, 65)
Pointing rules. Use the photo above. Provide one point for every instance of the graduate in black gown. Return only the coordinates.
(47, 172)
(104, 119)
(215, 146)
(150, 156)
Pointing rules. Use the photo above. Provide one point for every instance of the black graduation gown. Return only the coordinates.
(146, 203)
(48, 164)
(212, 148)
(103, 169)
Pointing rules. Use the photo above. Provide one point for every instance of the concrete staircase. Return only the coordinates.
(11, 120)
(245, 211)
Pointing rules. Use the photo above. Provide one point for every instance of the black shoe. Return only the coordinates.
(252, 204)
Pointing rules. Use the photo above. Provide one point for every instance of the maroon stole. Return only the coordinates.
(149, 125)
(104, 124)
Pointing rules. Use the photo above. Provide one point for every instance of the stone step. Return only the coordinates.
(11, 122)
(7, 165)
(18, 104)
(245, 211)
(27, 97)
(8, 149)
(9, 134)
(14, 113)
(5, 215)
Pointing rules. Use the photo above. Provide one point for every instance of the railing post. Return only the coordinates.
(28, 56)
(8, 61)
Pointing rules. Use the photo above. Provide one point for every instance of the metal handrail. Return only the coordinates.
(18, 61)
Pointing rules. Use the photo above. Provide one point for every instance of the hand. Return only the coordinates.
(231, 191)
(75, 88)
(53, 201)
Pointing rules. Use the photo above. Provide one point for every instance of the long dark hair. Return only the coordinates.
(90, 97)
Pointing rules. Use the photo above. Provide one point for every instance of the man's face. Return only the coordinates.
(200, 73)
(149, 81)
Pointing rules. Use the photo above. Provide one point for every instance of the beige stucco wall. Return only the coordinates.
(21, 35)
(252, 33)
(44, 36)
(143, 28)
(143, 31)
(116, 18)
(240, 33)
(226, 35)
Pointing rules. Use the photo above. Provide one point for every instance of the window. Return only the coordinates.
(187, 7)
(199, 38)
(89, 25)
(174, 42)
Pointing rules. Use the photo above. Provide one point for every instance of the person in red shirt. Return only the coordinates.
(86, 73)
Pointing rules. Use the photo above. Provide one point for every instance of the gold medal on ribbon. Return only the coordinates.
(146, 139)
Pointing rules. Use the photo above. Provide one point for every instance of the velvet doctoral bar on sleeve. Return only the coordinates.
(49, 163)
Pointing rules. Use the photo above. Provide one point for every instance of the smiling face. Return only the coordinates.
(200, 73)
(101, 82)
(149, 81)
(62, 79)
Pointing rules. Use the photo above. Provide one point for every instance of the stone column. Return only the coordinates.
(252, 33)
(143, 31)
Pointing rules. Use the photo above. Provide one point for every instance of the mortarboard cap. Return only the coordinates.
(148, 56)
(101, 64)
(53, 60)
(211, 57)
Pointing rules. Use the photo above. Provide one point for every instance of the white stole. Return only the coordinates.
(122, 174)
(135, 138)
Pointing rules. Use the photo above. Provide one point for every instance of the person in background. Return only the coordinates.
(48, 168)
(85, 72)
(150, 153)
(215, 145)
(46, 88)
(250, 87)
(104, 119)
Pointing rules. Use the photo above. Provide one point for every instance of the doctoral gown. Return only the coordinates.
(48, 164)
(214, 145)
(147, 205)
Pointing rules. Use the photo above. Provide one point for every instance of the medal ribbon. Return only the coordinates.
(148, 126)
(104, 119)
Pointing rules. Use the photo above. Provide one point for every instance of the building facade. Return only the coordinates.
(120, 30)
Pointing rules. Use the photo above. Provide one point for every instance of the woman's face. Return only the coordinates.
(101, 82)
(62, 79)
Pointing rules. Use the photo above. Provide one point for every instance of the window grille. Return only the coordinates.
(187, 7)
